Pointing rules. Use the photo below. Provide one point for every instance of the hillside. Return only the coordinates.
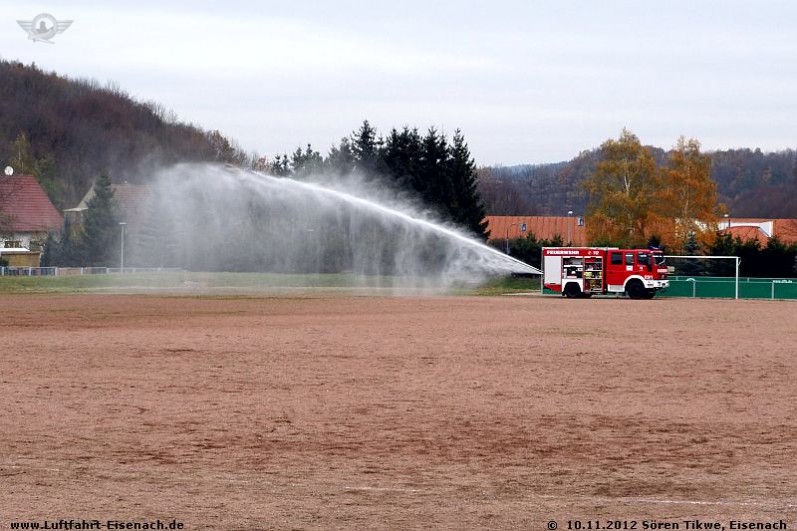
(68, 131)
(750, 182)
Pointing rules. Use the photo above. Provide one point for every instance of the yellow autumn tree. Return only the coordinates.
(685, 204)
(621, 193)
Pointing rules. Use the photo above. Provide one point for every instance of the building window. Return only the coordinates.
(12, 244)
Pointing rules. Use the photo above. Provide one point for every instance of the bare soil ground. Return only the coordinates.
(372, 412)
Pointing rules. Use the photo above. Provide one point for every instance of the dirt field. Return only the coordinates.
(367, 412)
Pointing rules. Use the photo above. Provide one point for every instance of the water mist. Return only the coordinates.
(209, 217)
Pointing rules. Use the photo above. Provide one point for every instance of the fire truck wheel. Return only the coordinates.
(585, 295)
(649, 294)
(572, 291)
(635, 289)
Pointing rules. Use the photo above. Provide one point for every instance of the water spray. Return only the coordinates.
(207, 217)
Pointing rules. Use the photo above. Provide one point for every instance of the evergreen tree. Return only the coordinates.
(401, 156)
(341, 160)
(366, 147)
(52, 250)
(101, 226)
(777, 258)
(692, 248)
(433, 180)
(440, 175)
(466, 207)
(307, 162)
(280, 167)
(723, 245)
(62, 250)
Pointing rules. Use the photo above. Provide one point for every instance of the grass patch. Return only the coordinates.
(192, 282)
(508, 285)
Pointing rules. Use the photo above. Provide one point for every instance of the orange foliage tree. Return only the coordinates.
(621, 193)
(632, 200)
(686, 201)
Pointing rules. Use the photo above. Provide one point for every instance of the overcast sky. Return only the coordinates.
(526, 81)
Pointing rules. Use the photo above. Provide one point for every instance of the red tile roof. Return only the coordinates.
(750, 229)
(26, 207)
(747, 232)
(786, 230)
(543, 227)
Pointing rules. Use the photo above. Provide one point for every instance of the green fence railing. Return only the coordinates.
(725, 288)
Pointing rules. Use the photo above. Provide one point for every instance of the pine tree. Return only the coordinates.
(467, 208)
(307, 162)
(692, 248)
(62, 250)
(52, 252)
(366, 147)
(341, 160)
(401, 156)
(101, 226)
(280, 167)
(433, 180)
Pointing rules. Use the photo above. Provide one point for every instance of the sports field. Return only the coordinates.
(340, 412)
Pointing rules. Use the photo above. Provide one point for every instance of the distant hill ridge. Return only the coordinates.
(750, 182)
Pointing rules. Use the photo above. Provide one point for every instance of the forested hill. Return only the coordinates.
(750, 182)
(67, 131)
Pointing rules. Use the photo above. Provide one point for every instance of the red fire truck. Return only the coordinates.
(584, 271)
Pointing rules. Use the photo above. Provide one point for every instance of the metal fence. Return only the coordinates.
(725, 287)
(71, 271)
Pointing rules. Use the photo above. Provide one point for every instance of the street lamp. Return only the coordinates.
(569, 215)
(122, 224)
(728, 221)
(522, 229)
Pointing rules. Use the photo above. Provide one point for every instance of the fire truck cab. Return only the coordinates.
(585, 271)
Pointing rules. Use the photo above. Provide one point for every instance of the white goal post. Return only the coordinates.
(735, 259)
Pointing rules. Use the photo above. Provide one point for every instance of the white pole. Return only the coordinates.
(569, 214)
(122, 251)
(542, 268)
(737, 277)
(507, 237)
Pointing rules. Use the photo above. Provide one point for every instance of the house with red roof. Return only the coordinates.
(27, 217)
